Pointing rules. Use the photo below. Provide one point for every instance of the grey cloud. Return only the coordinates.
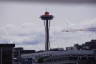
(3, 41)
(91, 29)
(34, 41)
(57, 1)
(92, 26)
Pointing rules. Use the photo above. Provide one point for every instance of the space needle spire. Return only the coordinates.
(47, 17)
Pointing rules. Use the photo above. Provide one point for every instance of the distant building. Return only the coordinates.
(57, 49)
(27, 51)
(18, 52)
(29, 60)
(6, 53)
(69, 48)
(60, 57)
(78, 54)
(17, 55)
(90, 45)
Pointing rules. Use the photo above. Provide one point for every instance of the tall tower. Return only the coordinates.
(46, 17)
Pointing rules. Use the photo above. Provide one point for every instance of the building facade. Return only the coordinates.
(17, 54)
(6, 53)
(61, 57)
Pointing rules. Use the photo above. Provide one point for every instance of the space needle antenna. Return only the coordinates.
(47, 17)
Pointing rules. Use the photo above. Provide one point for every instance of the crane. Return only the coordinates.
(92, 29)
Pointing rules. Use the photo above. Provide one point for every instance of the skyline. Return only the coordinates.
(20, 23)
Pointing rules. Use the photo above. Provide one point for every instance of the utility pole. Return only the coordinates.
(46, 17)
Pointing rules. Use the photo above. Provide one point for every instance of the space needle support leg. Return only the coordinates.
(47, 35)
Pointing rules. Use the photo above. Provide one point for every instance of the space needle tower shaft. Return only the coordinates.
(46, 17)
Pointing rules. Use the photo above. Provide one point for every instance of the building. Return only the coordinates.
(6, 53)
(78, 54)
(27, 51)
(17, 55)
(18, 52)
(90, 45)
(60, 57)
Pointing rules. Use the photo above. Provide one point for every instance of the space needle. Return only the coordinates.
(47, 17)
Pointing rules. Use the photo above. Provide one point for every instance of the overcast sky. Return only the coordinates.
(20, 23)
